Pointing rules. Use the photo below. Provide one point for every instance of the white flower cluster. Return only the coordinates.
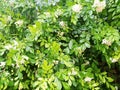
(87, 79)
(60, 33)
(86, 63)
(9, 18)
(106, 42)
(73, 71)
(99, 5)
(47, 14)
(19, 23)
(76, 8)
(62, 23)
(8, 47)
(113, 60)
(12, 2)
(2, 64)
(23, 59)
(15, 42)
(58, 12)
(11, 46)
(55, 62)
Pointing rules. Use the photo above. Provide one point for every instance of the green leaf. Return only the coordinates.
(9, 62)
(110, 79)
(68, 64)
(112, 87)
(66, 86)
(36, 83)
(107, 84)
(58, 84)
(16, 83)
(70, 82)
(20, 75)
(66, 50)
(87, 45)
(70, 44)
(20, 85)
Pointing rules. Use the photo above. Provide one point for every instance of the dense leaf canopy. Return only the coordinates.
(59, 44)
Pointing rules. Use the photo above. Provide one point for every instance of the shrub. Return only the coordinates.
(59, 44)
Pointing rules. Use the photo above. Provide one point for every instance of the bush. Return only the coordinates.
(59, 44)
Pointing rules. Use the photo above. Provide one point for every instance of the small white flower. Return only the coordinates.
(73, 72)
(47, 14)
(113, 60)
(86, 63)
(12, 2)
(58, 12)
(69, 73)
(13, 65)
(2, 64)
(99, 5)
(56, 62)
(17, 65)
(11, 79)
(8, 47)
(40, 79)
(62, 24)
(19, 22)
(25, 57)
(22, 61)
(6, 73)
(106, 42)
(87, 79)
(76, 8)
(60, 33)
(9, 18)
(15, 43)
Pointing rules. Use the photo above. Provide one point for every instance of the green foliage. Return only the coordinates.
(59, 44)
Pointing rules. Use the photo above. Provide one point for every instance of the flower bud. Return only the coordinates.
(106, 42)
(87, 79)
(76, 8)
(62, 24)
(19, 23)
(99, 5)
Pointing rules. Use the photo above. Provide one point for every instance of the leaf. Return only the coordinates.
(36, 83)
(69, 82)
(87, 45)
(103, 80)
(68, 64)
(20, 75)
(111, 9)
(9, 62)
(107, 84)
(95, 84)
(16, 83)
(70, 44)
(58, 84)
(20, 86)
(66, 86)
(66, 50)
(38, 88)
(109, 79)
(104, 73)
(45, 65)
(33, 30)
(113, 88)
